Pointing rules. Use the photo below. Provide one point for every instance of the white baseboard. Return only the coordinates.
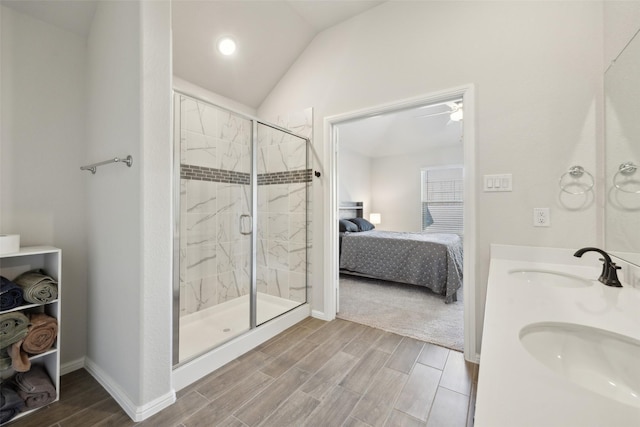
(135, 412)
(322, 315)
(74, 365)
(155, 406)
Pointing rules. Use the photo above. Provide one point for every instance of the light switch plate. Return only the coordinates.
(501, 182)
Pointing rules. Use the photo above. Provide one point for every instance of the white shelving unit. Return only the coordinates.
(50, 260)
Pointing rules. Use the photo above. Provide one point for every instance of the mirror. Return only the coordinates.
(622, 154)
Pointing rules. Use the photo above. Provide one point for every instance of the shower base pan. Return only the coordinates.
(207, 329)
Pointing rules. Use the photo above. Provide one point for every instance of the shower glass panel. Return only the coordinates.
(283, 177)
(215, 225)
(241, 227)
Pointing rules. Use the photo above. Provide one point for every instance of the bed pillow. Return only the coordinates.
(347, 225)
(363, 224)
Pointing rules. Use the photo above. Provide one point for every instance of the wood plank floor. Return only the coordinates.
(315, 373)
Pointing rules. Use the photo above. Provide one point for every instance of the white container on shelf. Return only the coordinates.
(9, 243)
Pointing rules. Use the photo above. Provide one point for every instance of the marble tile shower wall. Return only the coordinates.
(281, 234)
(301, 123)
(216, 162)
(215, 156)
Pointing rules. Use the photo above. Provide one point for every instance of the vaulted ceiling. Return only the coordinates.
(271, 35)
(71, 15)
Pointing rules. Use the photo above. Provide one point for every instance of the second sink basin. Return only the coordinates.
(600, 361)
(551, 278)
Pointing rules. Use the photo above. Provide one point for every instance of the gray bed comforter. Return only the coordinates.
(424, 259)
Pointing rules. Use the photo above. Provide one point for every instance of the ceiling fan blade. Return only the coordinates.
(433, 114)
(454, 107)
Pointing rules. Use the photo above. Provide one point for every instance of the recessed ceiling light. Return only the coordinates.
(226, 46)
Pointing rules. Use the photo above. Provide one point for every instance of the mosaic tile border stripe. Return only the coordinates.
(203, 173)
(288, 177)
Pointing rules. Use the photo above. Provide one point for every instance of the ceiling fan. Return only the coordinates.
(455, 112)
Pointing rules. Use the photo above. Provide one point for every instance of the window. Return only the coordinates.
(442, 203)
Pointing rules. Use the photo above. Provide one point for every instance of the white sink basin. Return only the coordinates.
(551, 278)
(600, 361)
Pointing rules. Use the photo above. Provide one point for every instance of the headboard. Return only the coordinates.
(350, 210)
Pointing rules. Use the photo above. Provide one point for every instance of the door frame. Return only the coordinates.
(467, 93)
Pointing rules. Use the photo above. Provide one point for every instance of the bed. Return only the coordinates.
(423, 259)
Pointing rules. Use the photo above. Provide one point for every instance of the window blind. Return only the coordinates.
(442, 200)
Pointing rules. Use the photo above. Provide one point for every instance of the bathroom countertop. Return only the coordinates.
(514, 389)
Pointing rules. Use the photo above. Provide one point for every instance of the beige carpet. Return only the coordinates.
(407, 310)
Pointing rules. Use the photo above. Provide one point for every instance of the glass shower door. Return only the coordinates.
(241, 231)
(281, 236)
(215, 225)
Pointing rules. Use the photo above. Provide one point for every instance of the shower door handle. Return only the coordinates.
(246, 225)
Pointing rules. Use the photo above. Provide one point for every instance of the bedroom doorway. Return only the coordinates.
(374, 152)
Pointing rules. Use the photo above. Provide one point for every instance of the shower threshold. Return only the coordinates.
(206, 329)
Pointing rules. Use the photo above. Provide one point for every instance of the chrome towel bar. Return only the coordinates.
(128, 160)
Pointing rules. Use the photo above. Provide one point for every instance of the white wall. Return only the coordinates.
(194, 90)
(42, 190)
(537, 67)
(129, 315)
(396, 186)
(156, 164)
(354, 182)
(114, 195)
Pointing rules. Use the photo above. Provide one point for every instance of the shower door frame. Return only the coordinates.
(253, 291)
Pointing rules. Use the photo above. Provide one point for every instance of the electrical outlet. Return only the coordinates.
(541, 217)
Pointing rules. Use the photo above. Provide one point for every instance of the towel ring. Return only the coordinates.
(626, 169)
(575, 172)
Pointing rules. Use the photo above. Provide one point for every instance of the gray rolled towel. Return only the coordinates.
(13, 328)
(37, 286)
(35, 387)
(10, 403)
(5, 358)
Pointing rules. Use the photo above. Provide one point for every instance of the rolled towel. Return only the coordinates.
(35, 387)
(5, 358)
(37, 287)
(43, 331)
(10, 294)
(19, 359)
(13, 327)
(10, 403)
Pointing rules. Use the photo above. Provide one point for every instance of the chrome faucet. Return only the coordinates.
(609, 275)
